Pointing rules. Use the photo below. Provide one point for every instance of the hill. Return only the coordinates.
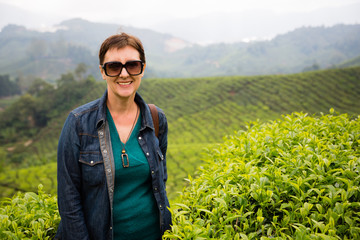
(49, 54)
(200, 111)
(286, 53)
(27, 54)
(355, 62)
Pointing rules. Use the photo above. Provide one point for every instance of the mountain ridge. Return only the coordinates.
(25, 52)
(215, 27)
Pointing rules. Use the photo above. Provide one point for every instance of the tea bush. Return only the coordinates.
(29, 216)
(294, 178)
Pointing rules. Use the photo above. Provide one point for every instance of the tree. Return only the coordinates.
(66, 79)
(313, 67)
(7, 87)
(39, 86)
(80, 71)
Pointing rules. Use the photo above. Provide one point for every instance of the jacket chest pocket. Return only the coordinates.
(92, 168)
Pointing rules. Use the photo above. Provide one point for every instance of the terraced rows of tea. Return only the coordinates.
(202, 111)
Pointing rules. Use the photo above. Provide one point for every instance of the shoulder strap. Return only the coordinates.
(155, 117)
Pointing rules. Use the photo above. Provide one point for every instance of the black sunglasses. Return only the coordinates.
(113, 69)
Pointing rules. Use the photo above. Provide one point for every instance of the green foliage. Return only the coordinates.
(7, 87)
(294, 178)
(29, 216)
(183, 159)
(42, 104)
(200, 112)
(203, 110)
(27, 179)
(6, 102)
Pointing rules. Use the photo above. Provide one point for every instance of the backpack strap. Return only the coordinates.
(155, 117)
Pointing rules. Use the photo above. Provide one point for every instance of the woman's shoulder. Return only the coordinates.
(88, 107)
(93, 106)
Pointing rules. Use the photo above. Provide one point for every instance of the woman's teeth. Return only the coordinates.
(125, 83)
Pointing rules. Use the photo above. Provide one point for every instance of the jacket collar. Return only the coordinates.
(147, 121)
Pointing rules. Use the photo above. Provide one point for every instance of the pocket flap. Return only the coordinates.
(90, 158)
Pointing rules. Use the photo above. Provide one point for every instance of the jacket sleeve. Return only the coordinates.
(163, 134)
(69, 183)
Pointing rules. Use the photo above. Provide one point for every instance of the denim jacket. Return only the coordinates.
(86, 167)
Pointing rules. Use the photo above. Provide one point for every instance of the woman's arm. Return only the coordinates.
(163, 132)
(69, 183)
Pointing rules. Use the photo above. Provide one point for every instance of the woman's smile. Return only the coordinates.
(125, 83)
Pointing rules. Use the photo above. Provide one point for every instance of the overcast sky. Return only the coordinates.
(152, 13)
(107, 10)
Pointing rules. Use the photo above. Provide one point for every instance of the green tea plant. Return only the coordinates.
(191, 156)
(28, 179)
(293, 178)
(29, 216)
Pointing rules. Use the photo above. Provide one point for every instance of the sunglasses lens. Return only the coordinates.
(113, 68)
(134, 67)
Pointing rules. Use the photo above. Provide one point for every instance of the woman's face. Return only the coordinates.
(123, 86)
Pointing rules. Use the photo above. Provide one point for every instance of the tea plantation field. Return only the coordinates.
(200, 112)
(293, 178)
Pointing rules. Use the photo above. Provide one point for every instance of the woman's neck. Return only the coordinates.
(121, 106)
(124, 114)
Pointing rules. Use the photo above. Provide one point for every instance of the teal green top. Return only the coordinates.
(135, 213)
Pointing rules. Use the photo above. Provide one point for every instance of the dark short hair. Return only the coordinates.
(119, 41)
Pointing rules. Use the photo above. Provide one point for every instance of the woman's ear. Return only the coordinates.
(142, 74)
(102, 72)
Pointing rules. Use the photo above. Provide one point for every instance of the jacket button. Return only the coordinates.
(105, 151)
(139, 138)
(152, 172)
(155, 189)
(147, 154)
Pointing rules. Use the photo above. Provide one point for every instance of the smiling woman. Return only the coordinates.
(108, 154)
